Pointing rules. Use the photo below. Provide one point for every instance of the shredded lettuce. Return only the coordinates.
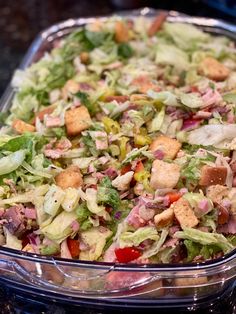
(60, 228)
(12, 161)
(155, 248)
(167, 54)
(130, 238)
(205, 238)
(107, 194)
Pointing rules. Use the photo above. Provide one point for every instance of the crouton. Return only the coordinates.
(122, 182)
(21, 127)
(71, 87)
(40, 115)
(138, 97)
(213, 69)
(84, 57)
(217, 192)
(157, 24)
(77, 120)
(213, 175)
(167, 145)
(164, 174)
(144, 83)
(119, 99)
(165, 218)
(184, 213)
(121, 32)
(69, 178)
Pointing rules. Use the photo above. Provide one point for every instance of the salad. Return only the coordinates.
(120, 146)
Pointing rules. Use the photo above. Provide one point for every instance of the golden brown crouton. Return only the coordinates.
(184, 214)
(167, 145)
(119, 98)
(213, 175)
(217, 192)
(144, 83)
(84, 57)
(157, 24)
(21, 127)
(40, 115)
(69, 178)
(77, 120)
(71, 87)
(137, 97)
(164, 174)
(165, 218)
(213, 69)
(121, 32)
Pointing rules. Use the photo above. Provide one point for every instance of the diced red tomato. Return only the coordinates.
(73, 246)
(125, 169)
(139, 167)
(127, 254)
(173, 196)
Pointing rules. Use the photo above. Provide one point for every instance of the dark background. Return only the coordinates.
(20, 22)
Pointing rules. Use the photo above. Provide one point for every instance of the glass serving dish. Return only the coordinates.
(107, 284)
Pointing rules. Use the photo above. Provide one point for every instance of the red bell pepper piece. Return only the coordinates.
(127, 254)
(173, 197)
(73, 246)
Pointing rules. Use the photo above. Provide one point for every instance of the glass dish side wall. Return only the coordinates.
(148, 283)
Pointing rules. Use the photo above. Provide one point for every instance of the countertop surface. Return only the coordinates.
(20, 22)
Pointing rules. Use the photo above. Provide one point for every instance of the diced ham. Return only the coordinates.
(52, 122)
(30, 212)
(53, 153)
(109, 255)
(15, 220)
(63, 144)
(172, 242)
(134, 219)
(211, 97)
(228, 228)
(101, 140)
(202, 114)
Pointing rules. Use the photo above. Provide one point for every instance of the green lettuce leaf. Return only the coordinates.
(60, 228)
(167, 54)
(205, 238)
(130, 238)
(107, 194)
